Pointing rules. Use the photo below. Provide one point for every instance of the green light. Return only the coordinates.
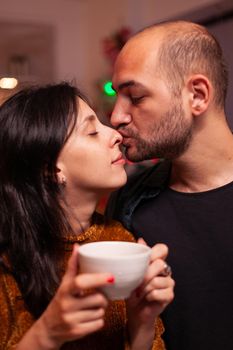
(108, 90)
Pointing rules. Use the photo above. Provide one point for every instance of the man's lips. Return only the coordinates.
(127, 141)
(124, 134)
(127, 137)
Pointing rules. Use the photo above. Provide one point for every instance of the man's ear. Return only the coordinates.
(200, 90)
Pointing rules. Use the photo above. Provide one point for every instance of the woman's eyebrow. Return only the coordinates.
(87, 120)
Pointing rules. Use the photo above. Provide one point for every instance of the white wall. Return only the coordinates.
(80, 25)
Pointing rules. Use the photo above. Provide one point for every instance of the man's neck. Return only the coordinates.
(207, 164)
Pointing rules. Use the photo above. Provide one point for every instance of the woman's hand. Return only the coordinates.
(150, 299)
(72, 313)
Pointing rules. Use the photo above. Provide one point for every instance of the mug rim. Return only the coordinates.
(82, 250)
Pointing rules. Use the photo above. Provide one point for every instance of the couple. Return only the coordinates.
(57, 159)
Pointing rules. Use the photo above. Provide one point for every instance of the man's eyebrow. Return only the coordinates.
(128, 84)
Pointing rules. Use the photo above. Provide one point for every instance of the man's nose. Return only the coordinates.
(119, 117)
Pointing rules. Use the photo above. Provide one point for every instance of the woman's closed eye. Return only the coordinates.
(93, 133)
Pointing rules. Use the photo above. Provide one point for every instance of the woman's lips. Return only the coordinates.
(119, 160)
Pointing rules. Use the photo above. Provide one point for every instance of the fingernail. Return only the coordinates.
(111, 279)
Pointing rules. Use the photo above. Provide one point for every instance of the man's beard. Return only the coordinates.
(167, 139)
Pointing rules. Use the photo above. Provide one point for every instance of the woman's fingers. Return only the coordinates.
(82, 329)
(87, 315)
(141, 241)
(159, 283)
(73, 329)
(77, 308)
(159, 251)
(155, 277)
(90, 281)
(156, 268)
(156, 282)
(89, 301)
(72, 266)
(96, 300)
(162, 296)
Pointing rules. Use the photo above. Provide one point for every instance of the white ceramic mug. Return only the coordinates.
(126, 261)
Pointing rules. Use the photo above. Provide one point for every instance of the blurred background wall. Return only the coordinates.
(53, 40)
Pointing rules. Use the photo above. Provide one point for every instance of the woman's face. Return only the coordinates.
(91, 160)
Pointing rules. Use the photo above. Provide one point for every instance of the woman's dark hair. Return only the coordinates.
(34, 126)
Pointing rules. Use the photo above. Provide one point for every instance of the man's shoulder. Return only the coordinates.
(139, 184)
(152, 176)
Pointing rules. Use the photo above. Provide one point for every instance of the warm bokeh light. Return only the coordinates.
(8, 83)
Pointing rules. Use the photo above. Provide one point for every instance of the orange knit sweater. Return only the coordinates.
(15, 320)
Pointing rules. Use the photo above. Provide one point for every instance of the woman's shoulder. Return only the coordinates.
(117, 232)
(9, 291)
(15, 319)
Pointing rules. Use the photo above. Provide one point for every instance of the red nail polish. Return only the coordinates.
(111, 279)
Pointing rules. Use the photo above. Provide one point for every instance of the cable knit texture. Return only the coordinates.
(15, 320)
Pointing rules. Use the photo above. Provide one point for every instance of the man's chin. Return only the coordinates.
(133, 156)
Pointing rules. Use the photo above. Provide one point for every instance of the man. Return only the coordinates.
(171, 84)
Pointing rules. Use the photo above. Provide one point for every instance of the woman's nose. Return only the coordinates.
(117, 138)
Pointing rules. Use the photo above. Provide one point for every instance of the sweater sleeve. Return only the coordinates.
(15, 320)
(158, 343)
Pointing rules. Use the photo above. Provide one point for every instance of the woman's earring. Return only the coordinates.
(62, 181)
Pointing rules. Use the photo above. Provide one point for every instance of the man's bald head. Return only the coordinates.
(180, 49)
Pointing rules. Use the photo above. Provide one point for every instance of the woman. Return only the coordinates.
(57, 161)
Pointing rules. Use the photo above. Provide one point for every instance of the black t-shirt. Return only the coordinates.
(198, 229)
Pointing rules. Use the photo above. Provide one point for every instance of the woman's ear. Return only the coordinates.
(200, 90)
(60, 175)
(61, 179)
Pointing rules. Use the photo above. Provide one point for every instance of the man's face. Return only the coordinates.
(150, 117)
